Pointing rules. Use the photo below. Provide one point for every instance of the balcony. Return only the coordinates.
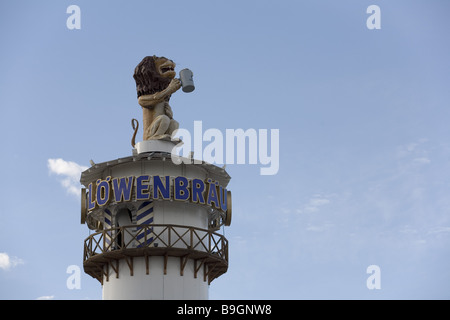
(103, 250)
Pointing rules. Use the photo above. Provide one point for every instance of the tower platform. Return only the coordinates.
(155, 224)
(207, 249)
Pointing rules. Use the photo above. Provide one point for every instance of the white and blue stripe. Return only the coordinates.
(106, 226)
(144, 218)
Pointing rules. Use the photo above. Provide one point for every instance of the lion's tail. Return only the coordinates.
(135, 125)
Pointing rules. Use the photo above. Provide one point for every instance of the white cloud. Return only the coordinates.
(417, 152)
(314, 204)
(438, 230)
(407, 229)
(411, 148)
(422, 160)
(46, 298)
(319, 228)
(7, 262)
(70, 171)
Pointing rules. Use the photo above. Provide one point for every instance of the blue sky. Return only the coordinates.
(364, 172)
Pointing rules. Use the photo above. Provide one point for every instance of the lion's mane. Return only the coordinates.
(148, 80)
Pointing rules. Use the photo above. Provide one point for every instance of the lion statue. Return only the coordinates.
(155, 83)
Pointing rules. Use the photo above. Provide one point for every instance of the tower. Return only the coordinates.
(156, 216)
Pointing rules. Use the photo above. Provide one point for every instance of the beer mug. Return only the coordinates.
(187, 83)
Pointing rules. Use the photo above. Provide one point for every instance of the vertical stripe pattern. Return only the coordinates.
(144, 218)
(107, 225)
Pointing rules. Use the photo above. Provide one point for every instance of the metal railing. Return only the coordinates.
(208, 247)
(156, 235)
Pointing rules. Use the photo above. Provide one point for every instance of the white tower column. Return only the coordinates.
(156, 227)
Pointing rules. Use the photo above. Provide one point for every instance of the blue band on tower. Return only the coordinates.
(144, 218)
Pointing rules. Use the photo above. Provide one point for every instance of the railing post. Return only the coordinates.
(226, 251)
(170, 243)
(122, 238)
(145, 235)
(222, 246)
(209, 242)
(86, 250)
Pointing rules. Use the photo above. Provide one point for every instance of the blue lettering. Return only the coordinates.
(91, 197)
(122, 188)
(212, 194)
(159, 188)
(103, 191)
(198, 187)
(181, 191)
(141, 189)
(223, 198)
